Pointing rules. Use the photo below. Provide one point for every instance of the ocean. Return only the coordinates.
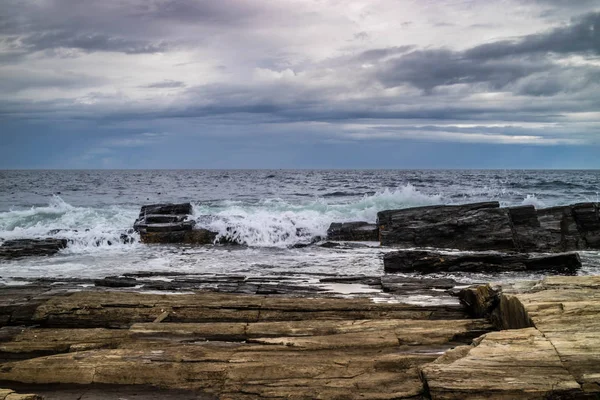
(271, 211)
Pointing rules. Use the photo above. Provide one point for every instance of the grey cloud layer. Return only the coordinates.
(527, 79)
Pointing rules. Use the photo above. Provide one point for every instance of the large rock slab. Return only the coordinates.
(485, 226)
(232, 346)
(31, 247)
(479, 226)
(431, 262)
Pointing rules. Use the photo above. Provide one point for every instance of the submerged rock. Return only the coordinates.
(31, 247)
(431, 262)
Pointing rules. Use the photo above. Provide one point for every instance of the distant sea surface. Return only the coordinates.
(269, 210)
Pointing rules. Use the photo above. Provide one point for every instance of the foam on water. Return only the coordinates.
(276, 222)
(86, 228)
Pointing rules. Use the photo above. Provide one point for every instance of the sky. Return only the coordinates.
(299, 84)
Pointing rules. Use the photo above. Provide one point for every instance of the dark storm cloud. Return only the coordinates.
(266, 73)
(166, 84)
(377, 54)
(500, 63)
(89, 42)
(431, 68)
(582, 36)
(199, 11)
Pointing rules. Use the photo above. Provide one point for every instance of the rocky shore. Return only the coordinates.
(531, 340)
(181, 335)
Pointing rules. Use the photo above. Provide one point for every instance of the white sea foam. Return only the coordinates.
(531, 199)
(85, 228)
(275, 222)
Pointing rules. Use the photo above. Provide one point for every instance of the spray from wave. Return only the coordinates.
(84, 227)
(265, 223)
(275, 222)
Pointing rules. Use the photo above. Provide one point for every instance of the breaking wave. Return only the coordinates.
(83, 227)
(276, 222)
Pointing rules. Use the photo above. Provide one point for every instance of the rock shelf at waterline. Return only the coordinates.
(476, 226)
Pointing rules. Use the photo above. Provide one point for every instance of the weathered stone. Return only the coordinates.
(431, 262)
(166, 209)
(480, 300)
(116, 281)
(588, 223)
(484, 226)
(480, 226)
(550, 350)
(514, 364)
(169, 224)
(349, 231)
(8, 394)
(282, 348)
(195, 236)
(31, 247)
(167, 227)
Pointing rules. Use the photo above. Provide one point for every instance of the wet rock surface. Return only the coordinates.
(11, 249)
(431, 262)
(170, 224)
(486, 226)
(353, 231)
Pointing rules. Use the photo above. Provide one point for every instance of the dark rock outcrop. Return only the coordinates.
(31, 247)
(480, 226)
(353, 231)
(431, 262)
(486, 226)
(169, 223)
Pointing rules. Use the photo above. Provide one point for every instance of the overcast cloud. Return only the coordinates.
(299, 83)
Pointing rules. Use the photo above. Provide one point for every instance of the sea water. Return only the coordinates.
(270, 211)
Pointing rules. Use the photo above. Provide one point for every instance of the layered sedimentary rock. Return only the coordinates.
(550, 350)
(432, 262)
(486, 226)
(170, 223)
(31, 247)
(233, 346)
(353, 231)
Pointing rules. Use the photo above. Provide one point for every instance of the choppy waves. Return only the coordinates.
(269, 222)
(85, 227)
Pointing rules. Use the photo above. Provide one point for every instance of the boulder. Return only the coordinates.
(432, 262)
(169, 224)
(353, 231)
(31, 247)
(162, 214)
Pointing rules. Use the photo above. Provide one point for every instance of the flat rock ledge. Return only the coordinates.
(230, 346)
(11, 249)
(427, 262)
(224, 346)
